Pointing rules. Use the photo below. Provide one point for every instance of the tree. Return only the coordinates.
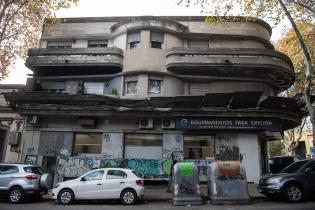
(275, 11)
(275, 148)
(289, 45)
(20, 26)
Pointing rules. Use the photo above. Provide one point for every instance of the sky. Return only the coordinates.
(103, 8)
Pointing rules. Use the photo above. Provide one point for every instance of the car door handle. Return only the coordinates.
(99, 183)
(122, 182)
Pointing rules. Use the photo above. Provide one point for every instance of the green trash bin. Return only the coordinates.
(186, 184)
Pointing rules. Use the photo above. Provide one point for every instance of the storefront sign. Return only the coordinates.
(266, 124)
(31, 159)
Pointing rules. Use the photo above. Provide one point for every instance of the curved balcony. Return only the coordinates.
(262, 64)
(151, 22)
(72, 61)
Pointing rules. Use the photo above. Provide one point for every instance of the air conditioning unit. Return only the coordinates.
(32, 119)
(146, 123)
(15, 139)
(168, 123)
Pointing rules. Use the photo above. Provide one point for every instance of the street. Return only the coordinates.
(157, 205)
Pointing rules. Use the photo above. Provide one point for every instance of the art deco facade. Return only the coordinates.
(139, 91)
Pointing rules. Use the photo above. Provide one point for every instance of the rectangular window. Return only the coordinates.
(133, 40)
(143, 146)
(198, 147)
(94, 87)
(198, 43)
(97, 43)
(59, 44)
(155, 86)
(156, 39)
(87, 143)
(131, 84)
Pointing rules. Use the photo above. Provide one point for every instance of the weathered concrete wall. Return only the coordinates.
(80, 43)
(227, 147)
(250, 156)
(120, 41)
(173, 86)
(55, 143)
(240, 28)
(234, 44)
(113, 145)
(229, 87)
(145, 58)
(30, 141)
(172, 41)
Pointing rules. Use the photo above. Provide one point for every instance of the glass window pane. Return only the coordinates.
(95, 175)
(155, 44)
(198, 147)
(133, 45)
(87, 143)
(97, 43)
(144, 139)
(155, 86)
(131, 87)
(9, 170)
(116, 174)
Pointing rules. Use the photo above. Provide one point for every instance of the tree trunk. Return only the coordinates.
(309, 69)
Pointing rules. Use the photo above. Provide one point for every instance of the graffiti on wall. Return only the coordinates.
(227, 148)
(112, 146)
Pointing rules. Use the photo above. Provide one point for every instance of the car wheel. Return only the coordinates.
(294, 193)
(16, 195)
(65, 197)
(128, 197)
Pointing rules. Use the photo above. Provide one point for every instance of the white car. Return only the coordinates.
(104, 183)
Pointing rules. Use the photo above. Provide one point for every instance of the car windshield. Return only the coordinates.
(32, 169)
(294, 167)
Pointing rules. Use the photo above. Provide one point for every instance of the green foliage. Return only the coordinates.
(20, 26)
(275, 148)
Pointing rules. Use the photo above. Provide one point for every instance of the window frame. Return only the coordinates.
(97, 44)
(87, 133)
(199, 139)
(16, 168)
(149, 86)
(57, 46)
(125, 176)
(158, 40)
(92, 173)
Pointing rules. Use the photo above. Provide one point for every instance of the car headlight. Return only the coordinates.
(274, 180)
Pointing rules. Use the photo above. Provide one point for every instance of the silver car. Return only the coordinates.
(18, 181)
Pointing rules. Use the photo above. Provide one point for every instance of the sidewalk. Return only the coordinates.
(159, 193)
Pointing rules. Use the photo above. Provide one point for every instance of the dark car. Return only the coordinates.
(278, 163)
(295, 182)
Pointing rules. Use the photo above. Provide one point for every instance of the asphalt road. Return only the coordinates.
(154, 205)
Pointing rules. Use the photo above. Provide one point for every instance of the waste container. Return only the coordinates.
(186, 184)
(227, 183)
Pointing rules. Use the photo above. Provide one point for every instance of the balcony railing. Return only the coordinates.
(249, 63)
(110, 59)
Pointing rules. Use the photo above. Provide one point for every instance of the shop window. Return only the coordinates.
(87, 143)
(97, 43)
(198, 147)
(59, 44)
(143, 146)
(94, 87)
(156, 39)
(131, 84)
(116, 174)
(155, 86)
(198, 43)
(133, 40)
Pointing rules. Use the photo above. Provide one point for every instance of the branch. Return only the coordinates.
(304, 6)
(9, 18)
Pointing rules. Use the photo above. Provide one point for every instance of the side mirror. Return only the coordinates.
(308, 170)
(83, 179)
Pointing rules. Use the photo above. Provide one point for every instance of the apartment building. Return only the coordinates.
(138, 92)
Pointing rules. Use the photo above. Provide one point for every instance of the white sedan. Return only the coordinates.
(105, 183)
